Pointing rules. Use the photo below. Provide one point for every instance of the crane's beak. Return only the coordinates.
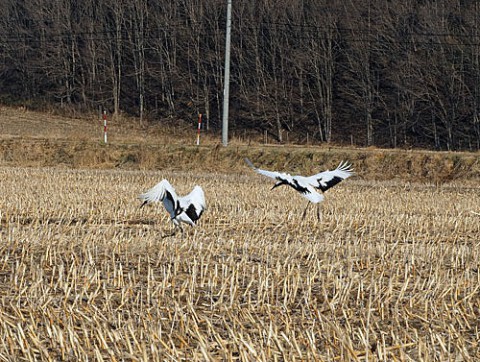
(276, 185)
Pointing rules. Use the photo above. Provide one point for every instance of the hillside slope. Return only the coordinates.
(38, 139)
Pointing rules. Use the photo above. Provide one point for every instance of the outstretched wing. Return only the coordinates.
(164, 192)
(193, 204)
(278, 176)
(327, 179)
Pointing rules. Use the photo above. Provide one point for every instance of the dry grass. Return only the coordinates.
(390, 273)
(37, 139)
(20, 124)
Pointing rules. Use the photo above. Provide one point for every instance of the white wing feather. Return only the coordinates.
(327, 179)
(157, 192)
(272, 174)
(196, 197)
(163, 191)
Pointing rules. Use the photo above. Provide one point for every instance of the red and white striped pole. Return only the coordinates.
(105, 126)
(198, 129)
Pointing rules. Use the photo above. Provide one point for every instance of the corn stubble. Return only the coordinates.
(391, 272)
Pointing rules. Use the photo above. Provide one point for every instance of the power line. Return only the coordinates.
(364, 30)
(39, 34)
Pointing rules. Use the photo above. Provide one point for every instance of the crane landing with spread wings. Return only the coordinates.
(187, 209)
(307, 186)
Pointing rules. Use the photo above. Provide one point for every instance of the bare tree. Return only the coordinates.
(114, 18)
(387, 73)
(360, 70)
(321, 65)
(136, 18)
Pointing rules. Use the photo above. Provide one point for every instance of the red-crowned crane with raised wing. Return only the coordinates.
(187, 209)
(307, 186)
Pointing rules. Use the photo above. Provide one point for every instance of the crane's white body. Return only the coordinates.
(187, 209)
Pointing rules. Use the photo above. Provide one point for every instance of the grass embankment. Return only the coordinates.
(36, 139)
(371, 164)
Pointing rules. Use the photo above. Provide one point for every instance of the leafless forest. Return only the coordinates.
(382, 73)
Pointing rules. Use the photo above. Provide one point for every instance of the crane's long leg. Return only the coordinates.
(305, 211)
(319, 212)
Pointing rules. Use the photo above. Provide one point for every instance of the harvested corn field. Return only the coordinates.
(390, 272)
